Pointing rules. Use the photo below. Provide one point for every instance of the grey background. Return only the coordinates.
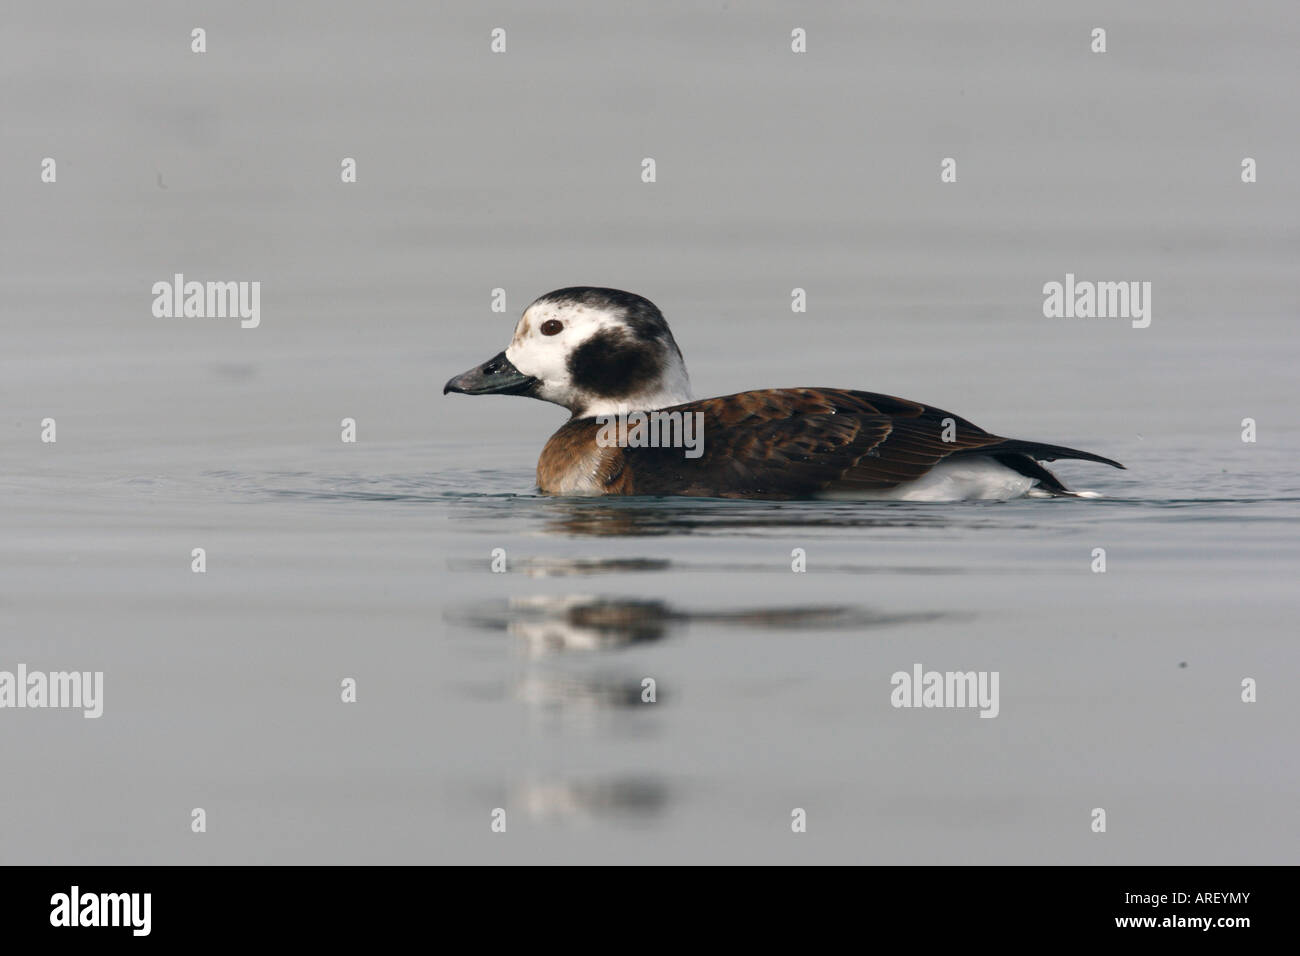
(522, 171)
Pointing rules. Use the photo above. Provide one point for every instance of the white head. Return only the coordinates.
(594, 351)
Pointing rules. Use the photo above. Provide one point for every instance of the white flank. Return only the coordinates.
(975, 479)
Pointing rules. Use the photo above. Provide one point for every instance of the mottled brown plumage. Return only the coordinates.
(788, 443)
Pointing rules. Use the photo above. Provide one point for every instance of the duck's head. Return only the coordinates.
(594, 351)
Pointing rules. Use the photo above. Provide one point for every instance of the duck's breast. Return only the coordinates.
(573, 463)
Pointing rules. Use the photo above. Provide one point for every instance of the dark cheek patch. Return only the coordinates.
(609, 365)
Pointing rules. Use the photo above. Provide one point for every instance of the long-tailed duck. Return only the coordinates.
(607, 355)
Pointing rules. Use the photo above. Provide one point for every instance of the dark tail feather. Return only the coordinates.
(1031, 469)
(1042, 452)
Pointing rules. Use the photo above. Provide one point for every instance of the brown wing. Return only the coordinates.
(790, 443)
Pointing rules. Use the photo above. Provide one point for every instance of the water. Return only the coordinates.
(522, 690)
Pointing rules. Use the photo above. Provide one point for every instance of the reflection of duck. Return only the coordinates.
(603, 353)
(582, 623)
(586, 624)
(546, 567)
(641, 797)
(582, 693)
(631, 517)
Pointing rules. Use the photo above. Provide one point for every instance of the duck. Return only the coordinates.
(609, 357)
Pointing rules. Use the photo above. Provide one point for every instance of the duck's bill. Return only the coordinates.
(496, 376)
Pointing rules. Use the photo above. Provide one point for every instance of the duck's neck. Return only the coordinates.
(671, 388)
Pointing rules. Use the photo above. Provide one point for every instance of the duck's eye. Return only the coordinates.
(552, 327)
